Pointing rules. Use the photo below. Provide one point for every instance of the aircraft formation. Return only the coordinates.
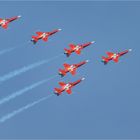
(73, 48)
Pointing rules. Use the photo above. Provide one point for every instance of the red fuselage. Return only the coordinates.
(76, 48)
(66, 87)
(71, 68)
(80, 47)
(4, 22)
(114, 56)
(43, 35)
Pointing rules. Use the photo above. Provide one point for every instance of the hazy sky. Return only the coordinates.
(105, 105)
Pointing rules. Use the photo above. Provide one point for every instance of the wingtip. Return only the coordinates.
(130, 50)
(59, 29)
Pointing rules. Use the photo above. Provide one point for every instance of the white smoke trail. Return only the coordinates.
(16, 112)
(26, 68)
(24, 90)
(11, 49)
(6, 50)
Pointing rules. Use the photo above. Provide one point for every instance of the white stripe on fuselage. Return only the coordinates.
(77, 47)
(3, 22)
(67, 87)
(115, 55)
(71, 68)
(44, 35)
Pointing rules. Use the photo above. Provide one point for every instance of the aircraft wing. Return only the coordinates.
(69, 91)
(116, 59)
(66, 66)
(78, 51)
(72, 46)
(62, 84)
(110, 54)
(73, 72)
(39, 33)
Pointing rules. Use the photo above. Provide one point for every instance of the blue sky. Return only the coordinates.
(106, 104)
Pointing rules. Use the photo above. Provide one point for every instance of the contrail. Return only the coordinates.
(11, 49)
(6, 50)
(24, 90)
(26, 68)
(16, 112)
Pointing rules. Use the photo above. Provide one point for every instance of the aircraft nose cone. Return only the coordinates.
(92, 42)
(83, 79)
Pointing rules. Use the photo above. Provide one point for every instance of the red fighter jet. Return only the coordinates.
(76, 48)
(66, 87)
(114, 56)
(71, 68)
(4, 22)
(43, 35)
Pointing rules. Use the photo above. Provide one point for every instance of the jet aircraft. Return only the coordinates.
(71, 68)
(114, 56)
(43, 35)
(76, 48)
(4, 22)
(66, 87)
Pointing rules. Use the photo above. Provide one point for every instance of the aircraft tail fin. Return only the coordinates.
(57, 91)
(104, 60)
(67, 52)
(62, 72)
(35, 38)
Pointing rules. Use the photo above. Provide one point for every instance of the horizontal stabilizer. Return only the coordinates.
(105, 60)
(57, 90)
(62, 72)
